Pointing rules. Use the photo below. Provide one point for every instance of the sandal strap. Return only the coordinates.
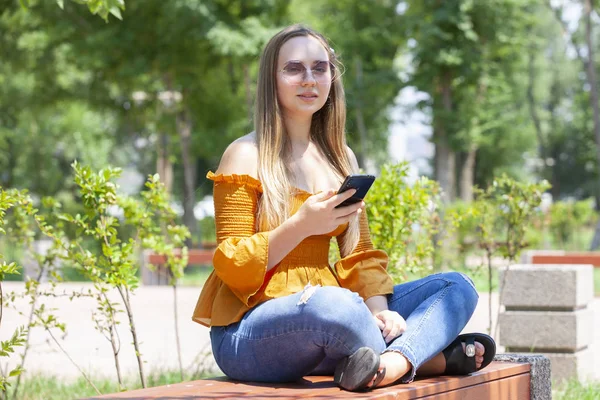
(457, 362)
(380, 376)
(470, 359)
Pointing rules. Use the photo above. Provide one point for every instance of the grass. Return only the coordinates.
(574, 390)
(48, 387)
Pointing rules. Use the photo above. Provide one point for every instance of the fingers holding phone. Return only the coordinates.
(324, 212)
(345, 213)
(318, 214)
(361, 183)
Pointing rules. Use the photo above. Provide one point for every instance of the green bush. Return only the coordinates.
(404, 220)
(208, 233)
(567, 219)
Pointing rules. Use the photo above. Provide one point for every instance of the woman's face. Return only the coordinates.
(303, 76)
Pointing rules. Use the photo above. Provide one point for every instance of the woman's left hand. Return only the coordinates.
(391, 324)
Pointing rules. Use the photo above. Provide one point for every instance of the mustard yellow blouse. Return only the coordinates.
(240, 279)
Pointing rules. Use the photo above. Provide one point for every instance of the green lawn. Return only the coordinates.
(574, 390)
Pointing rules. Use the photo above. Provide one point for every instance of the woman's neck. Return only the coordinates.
(298, 129)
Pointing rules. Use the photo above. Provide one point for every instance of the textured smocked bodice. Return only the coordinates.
(240, 279)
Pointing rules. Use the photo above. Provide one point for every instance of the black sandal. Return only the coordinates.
(462, 362)
(354, 372)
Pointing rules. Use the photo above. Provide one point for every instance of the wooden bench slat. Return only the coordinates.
(568, 258)
(441, 384)
(498, 377)
(195, 256)
(512, 388)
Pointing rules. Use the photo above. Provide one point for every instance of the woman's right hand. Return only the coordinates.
(318, 214)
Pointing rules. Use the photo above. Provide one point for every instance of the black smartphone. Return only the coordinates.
(362, 184)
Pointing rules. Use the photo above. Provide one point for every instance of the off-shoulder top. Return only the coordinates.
(240, 280)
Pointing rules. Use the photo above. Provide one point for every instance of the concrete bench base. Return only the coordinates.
(578, 365)
(500, 380)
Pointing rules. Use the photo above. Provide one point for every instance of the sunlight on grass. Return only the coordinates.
(574, 390)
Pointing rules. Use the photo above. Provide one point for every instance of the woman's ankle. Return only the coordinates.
(396, 366)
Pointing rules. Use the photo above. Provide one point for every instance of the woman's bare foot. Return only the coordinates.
(396, 366)
(437, 365)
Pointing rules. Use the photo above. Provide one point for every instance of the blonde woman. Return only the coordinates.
(276, 308)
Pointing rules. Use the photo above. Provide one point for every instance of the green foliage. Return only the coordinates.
(7, 347)
(101, 7)
(567, 217)
(464, 226)
(208, 230)
(98, 7)
(404, 220)
(502, 212)
(155, 222)
(575, 390)
(10, 200)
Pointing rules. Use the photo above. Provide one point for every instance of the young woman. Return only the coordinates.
(276, 308)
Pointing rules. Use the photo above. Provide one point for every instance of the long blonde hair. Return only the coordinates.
(327, 132)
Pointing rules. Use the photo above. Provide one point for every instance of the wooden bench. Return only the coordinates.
(561, 257)
(500, 380)
(160, 275)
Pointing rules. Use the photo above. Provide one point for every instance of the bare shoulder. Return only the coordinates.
(240, 157)
(353, 160)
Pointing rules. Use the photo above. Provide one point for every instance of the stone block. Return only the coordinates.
(557, 287)
(565, 366)
(541, 380)
(537, 331)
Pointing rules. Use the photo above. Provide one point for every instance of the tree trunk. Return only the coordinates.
(445, 157)
(164, 166)
(591, 78)
(184, 130)
(124, 292)
(467, 174)
(360, 120)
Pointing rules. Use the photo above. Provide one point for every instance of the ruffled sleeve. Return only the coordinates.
(241, 256)
(364, 270)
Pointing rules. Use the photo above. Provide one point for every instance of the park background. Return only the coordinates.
(466, 93)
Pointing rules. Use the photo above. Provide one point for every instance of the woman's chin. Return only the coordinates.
(308, 108)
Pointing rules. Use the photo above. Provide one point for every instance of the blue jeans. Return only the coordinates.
(284, 339)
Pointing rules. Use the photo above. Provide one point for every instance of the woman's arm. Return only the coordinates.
(377, 304)
(241, 158)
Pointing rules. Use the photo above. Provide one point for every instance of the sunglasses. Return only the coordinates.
(295, 72)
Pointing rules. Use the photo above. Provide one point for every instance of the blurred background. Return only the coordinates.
(463, 90)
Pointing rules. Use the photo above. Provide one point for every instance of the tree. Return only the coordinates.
(460, 51)
(163, 77)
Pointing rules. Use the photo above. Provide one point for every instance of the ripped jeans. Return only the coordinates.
(284, 339)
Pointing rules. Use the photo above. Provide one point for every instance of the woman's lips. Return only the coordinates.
(308, 96)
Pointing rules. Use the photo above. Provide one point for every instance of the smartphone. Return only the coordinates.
(362, 184)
